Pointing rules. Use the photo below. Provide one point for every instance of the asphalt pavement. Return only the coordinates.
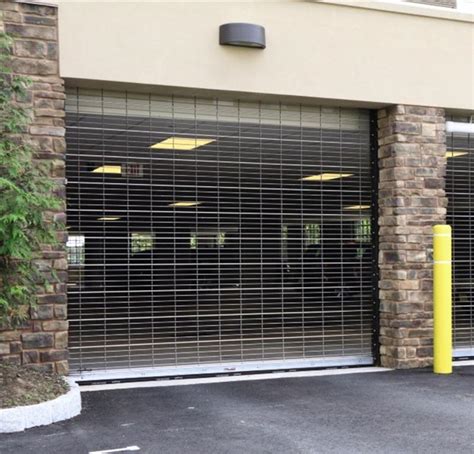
(387, 412)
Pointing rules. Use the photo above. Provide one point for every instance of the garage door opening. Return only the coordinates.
(460, 215)
(217, 235)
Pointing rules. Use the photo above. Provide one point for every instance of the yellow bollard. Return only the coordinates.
(442, 331)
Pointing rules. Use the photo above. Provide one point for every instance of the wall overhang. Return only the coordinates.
(319, 50)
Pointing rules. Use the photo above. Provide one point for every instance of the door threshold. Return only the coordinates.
(230, 378)
(211, 369)
(463, 362)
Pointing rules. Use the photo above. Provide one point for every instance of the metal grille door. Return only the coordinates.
(211, 235)
(460, 191)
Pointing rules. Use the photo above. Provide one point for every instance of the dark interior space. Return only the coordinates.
(195, 252)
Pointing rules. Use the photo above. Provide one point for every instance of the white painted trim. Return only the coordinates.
(456, 126)
(462, 352)
(465, 6)
(127, 448)
(49, 3)
(67, 406)
(232, 378)
(401, 7)
(469, 362)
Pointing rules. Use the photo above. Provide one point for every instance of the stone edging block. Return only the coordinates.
(63, 407)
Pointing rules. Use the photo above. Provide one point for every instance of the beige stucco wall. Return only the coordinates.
(315, 50)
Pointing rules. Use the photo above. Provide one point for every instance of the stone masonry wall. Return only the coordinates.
(42, 341)
(412, 161)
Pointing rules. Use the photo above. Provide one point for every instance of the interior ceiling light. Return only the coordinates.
(455, 154)
(327, 176)
(184, 204)
(108, 169)
(108, 218)
(181, 143)
(357, 207)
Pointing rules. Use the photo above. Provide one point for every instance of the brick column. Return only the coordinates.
(42, 341)
(412, 162)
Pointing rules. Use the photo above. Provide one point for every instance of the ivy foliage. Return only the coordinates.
(26, 193)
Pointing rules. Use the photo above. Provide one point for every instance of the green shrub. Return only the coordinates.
(26, 193)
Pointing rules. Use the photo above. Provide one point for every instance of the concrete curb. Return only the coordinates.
(63, 407)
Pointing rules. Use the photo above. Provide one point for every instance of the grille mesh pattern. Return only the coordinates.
(213, 231)
(460, 190)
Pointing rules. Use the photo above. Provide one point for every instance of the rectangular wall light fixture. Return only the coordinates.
(357, 207)
(181, 143)
(108, 169)
(184, 204)
(327, 176)
(108, 218)
(455, 154)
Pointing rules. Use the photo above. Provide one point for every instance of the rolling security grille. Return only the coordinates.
(208, 231)
(460, 192)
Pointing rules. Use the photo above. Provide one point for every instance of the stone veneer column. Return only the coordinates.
(42, 341)
(412, 162)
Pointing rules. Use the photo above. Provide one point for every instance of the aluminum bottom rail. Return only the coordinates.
(222, 368)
